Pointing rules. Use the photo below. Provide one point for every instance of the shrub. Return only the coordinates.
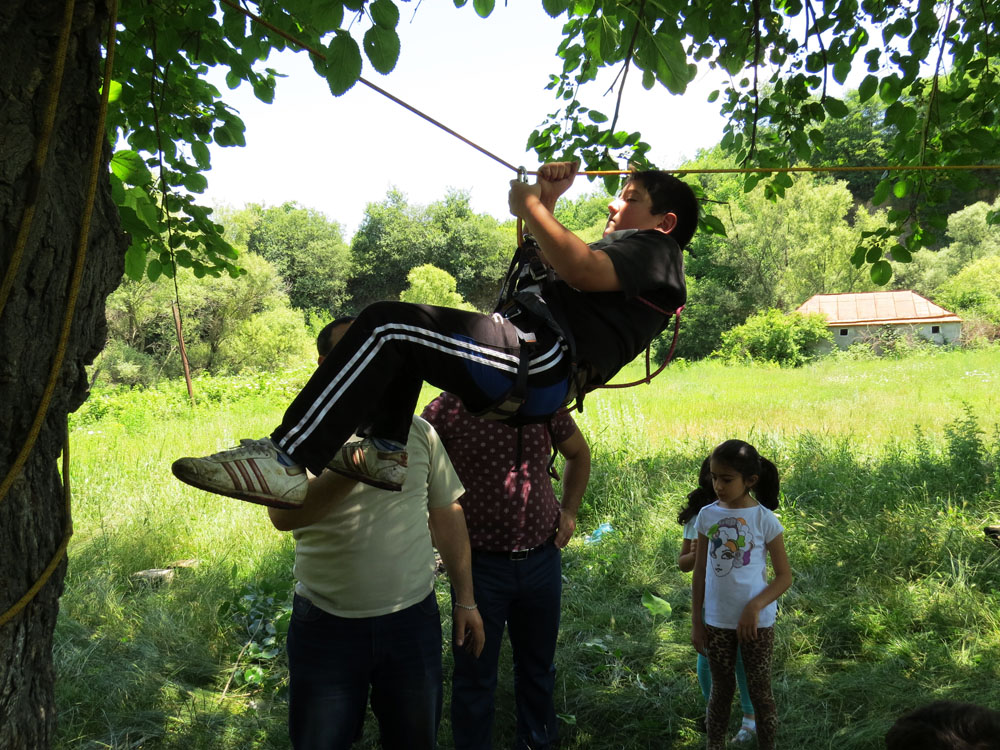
(774, 337)
(120, 364)
(429, 285)
(268, 340)
(887, 342)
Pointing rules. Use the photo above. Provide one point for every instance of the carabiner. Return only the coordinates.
(522, 174)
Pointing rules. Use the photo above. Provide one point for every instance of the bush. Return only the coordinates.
(774, 337)
(120, 364)
(429, 285)
(272, 339)
(887, 343)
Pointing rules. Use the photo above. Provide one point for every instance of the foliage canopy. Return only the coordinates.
(925, 64)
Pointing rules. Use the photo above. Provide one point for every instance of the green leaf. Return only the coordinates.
(382, 48)
(835, 107)
(135, 261)
(656, 605)
(555, 8)
(712, 225)
(901, 254)
(201, 154)
(154, 269)
(841, 70)
(889, 89)
(195, 182)
(140, 202)
(867, 88)
(117, 190)
(326, 15)
(114, 91)
(882, 191)
(902, 188)
(596, 116)
(858, 258)
(881, 272)
(129, 167)
(343, 63)
(384, 13)
(483, 7)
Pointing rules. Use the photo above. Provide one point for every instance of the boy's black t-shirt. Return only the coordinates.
(611, 328)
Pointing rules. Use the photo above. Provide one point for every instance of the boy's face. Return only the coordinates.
(632, 210)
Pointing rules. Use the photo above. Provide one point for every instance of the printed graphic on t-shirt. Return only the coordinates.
(729, 545)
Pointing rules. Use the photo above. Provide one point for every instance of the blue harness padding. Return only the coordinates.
(521, 302)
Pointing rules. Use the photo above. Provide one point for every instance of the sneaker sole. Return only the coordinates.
(269, 501)
(365, 479)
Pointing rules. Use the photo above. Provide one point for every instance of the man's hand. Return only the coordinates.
(567, 525)
(469, 632)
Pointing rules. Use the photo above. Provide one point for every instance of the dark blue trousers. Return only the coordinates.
(524, 595)
(333, 661)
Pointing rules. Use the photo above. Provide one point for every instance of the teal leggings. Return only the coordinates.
(705, 681)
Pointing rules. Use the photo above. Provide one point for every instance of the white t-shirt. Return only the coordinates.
(372, 554)
(690, 532)
(737, 561)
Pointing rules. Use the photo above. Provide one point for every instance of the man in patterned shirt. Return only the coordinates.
(517, 528)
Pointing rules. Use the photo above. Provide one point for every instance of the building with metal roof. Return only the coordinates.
(855, 316)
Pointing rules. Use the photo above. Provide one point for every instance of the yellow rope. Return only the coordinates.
(41, 155)
(751, 170)
(74, 291)
(60, 551)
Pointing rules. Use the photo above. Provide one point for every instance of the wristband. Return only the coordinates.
(466, 606)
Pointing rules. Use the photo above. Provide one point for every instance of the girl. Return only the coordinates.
(697, 500)
(733, 604)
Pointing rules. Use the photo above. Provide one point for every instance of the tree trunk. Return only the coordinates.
(32, 514)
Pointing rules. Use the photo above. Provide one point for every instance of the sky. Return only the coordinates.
(484, 78)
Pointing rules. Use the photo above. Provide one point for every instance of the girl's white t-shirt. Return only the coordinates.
(736, 570)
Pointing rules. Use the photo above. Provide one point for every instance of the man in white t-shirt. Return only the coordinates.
(365, 617)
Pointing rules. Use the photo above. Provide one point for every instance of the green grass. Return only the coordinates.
(890, 469)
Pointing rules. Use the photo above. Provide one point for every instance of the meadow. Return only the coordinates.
(890, 470)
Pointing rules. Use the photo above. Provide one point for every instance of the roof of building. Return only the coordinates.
(868, 308)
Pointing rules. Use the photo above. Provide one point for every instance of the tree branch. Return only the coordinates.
(628, 60)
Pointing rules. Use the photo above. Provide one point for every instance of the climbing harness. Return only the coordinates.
(521, 301)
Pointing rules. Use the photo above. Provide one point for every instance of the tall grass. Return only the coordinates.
(889, 471)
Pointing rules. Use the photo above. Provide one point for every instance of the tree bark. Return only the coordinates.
(32, 514)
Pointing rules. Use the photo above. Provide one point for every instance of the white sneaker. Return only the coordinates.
(745, 734)
(362, 460)
(256, 472)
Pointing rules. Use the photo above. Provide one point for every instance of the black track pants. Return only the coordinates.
(371, 380)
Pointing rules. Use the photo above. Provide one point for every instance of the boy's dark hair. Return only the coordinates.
(744, 458)
(668, 193)
(946, 725)
(323, 344)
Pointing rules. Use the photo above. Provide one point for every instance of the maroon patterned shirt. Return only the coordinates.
(505, 509)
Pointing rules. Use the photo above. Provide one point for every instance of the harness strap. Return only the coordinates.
(510, 403)
(666, 361)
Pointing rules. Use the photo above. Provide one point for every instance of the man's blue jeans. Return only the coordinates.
(332, 662)
(524, 594)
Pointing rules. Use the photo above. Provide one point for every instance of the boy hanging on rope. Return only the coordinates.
(571, 331)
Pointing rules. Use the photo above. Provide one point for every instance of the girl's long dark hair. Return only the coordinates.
(700, 497)
(743, 458)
